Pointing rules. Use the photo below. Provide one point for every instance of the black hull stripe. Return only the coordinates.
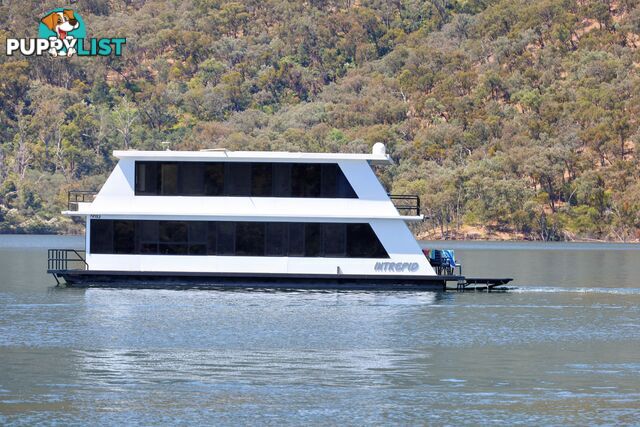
(245, 280)
(187, 280)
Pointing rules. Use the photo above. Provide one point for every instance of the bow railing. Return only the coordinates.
(406, 204)
(66, 259)
(79, 196)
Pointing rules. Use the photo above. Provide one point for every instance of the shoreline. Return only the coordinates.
(484, 234)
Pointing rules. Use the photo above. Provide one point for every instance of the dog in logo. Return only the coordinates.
(61, 23)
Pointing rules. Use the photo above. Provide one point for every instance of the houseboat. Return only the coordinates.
(219, 218)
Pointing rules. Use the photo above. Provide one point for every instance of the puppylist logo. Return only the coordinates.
(62, 33)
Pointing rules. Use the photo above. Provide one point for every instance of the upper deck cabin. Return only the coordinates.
(250, 183)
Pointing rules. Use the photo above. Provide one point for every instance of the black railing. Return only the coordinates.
(406, 204)
(62, 259)
(79, 196)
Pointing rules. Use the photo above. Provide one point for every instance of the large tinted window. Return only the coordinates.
(296, 239)
(277, 238)
(174, 238)
(306, 180)
(213, 179)
(124, 233)
(212, 238)
(335, 239)
(198, 238)
(147, 178)
(237, 179)
(191, 182)
(235, 238)
(147, 242)
(260, 179)
(281, 175)
(226, 238)
(313, 240)
(334, 184)
(101, 236)
(169, 179)
(362, 242)
(250, 239)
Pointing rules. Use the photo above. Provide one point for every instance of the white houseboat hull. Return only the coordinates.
(248, 219)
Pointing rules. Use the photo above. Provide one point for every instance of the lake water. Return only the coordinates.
(562, 347)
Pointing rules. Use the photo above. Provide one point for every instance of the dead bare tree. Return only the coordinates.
(23, 153)
(125, 117)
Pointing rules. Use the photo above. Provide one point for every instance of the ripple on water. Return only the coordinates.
(532, 355)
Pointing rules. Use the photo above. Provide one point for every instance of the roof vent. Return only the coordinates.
(379, 149)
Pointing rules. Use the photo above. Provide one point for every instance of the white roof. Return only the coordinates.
(250, 156)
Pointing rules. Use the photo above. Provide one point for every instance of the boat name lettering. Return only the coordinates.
(96, 216)
(397, 267)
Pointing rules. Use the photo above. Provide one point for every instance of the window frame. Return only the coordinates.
(226, 238)
(236, 179)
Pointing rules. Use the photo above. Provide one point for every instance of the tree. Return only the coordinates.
(124, 117)
(234, 18)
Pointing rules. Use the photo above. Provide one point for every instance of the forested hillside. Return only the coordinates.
(510, 118)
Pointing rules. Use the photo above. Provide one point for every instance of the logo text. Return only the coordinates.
(397, 267)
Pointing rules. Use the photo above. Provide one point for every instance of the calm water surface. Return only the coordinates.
(562, 348)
